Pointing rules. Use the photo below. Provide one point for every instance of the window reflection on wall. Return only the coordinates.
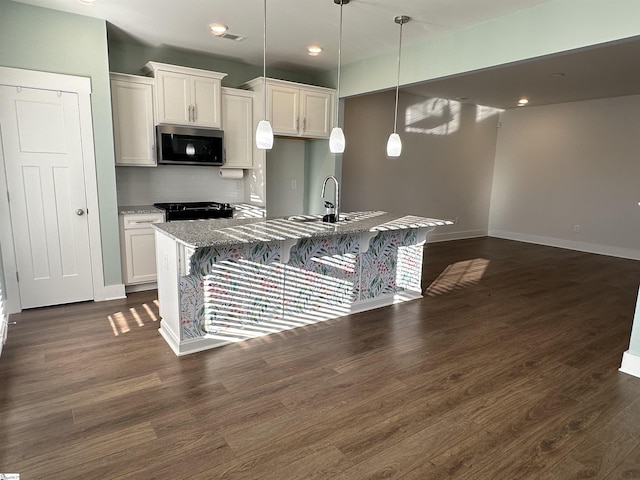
(439, 116)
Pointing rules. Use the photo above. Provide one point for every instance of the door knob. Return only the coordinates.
(79, 212)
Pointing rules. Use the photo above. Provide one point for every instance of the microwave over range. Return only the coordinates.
(178, 145)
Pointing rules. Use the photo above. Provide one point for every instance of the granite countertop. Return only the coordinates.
(135, 209)
(208, 233)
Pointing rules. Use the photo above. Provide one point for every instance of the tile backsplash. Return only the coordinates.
(169, 183)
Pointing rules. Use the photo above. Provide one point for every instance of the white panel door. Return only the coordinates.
(44, 165)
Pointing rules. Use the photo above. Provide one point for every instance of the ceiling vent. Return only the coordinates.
(231, 36)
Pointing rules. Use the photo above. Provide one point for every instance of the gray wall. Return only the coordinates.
(445, 169)
(566, 165)
(286, 164)
(320, 163)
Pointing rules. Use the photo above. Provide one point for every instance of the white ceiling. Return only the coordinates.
(368, 30)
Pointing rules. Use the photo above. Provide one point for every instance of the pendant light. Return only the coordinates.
(394, 144)
(264, 132)
(336, 139)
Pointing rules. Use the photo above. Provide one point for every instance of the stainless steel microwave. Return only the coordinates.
(178, 145)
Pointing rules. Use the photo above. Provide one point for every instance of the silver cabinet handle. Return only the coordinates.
(194, 113)
(79, 212)
(304, 124)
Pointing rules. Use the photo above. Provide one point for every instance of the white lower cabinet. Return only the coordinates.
(137, 241)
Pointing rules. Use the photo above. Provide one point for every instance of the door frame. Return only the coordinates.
(15, 77)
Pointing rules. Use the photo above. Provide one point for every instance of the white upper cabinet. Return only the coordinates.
(296, 109)
(283, 109)
(187, 96)
(132, 102)
(238, 125)
(316, 110)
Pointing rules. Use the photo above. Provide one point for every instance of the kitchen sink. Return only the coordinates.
(314, 219)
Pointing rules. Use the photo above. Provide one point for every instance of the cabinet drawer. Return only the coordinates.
(139, 220)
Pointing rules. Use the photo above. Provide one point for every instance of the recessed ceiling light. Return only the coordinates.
(522, 102)
(314, 50)
(218, 29)
(87, 2)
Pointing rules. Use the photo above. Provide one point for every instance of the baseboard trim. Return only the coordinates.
(630, 364)
(628, 253)
(193, 345)
(206, 342)
(109, 292)
(435, 237)
(141, 287)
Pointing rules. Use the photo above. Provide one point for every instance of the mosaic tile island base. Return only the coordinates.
(229, 280)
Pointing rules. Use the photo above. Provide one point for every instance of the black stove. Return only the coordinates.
(195, 210)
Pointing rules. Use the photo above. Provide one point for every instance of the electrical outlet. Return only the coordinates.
(576, 229)
(294, 184)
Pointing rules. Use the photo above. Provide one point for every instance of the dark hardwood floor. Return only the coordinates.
(506, 369)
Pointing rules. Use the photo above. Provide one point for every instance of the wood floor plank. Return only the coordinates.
(507, 368)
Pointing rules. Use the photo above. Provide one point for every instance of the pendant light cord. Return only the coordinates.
(395, 119)
(339, 63)
(264, 58)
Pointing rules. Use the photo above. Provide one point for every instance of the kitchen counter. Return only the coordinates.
(228, 280)
(221, 232)
(138, 209)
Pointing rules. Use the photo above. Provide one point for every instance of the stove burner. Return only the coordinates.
(195, 210)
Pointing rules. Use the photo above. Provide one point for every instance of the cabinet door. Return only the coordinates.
(133, 123)
(283, 109)
(317, 113)
(205, 101)
(140, 254)
(138, 247)
(174, 98)
(237, 122)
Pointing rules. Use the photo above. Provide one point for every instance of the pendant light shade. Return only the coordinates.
(264, 135)
(336, 139)
(394, 144)
(264, 132)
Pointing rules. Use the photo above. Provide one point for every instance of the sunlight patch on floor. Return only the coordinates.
(458, 275)
(120, 322)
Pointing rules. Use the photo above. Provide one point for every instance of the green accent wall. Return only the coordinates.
(130, 58)
(546, 29)
(41, 39)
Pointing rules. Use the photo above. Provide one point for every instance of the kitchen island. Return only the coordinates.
(228, 280)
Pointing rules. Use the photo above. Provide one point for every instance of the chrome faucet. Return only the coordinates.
(337, 202)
